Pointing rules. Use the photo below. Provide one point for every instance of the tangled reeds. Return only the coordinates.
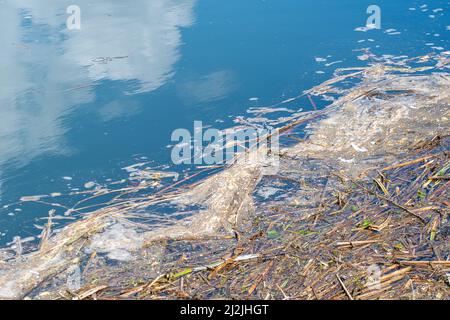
(356, 210)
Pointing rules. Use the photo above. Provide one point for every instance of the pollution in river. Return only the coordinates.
(174, 149)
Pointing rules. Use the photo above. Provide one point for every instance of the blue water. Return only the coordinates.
(80, 105)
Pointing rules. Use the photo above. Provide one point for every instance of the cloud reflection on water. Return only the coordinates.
(48, 70)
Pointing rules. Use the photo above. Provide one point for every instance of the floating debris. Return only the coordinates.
(360, 194)
(31, 198)
(90, 185)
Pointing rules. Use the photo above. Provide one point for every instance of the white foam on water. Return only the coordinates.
(118, 242)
